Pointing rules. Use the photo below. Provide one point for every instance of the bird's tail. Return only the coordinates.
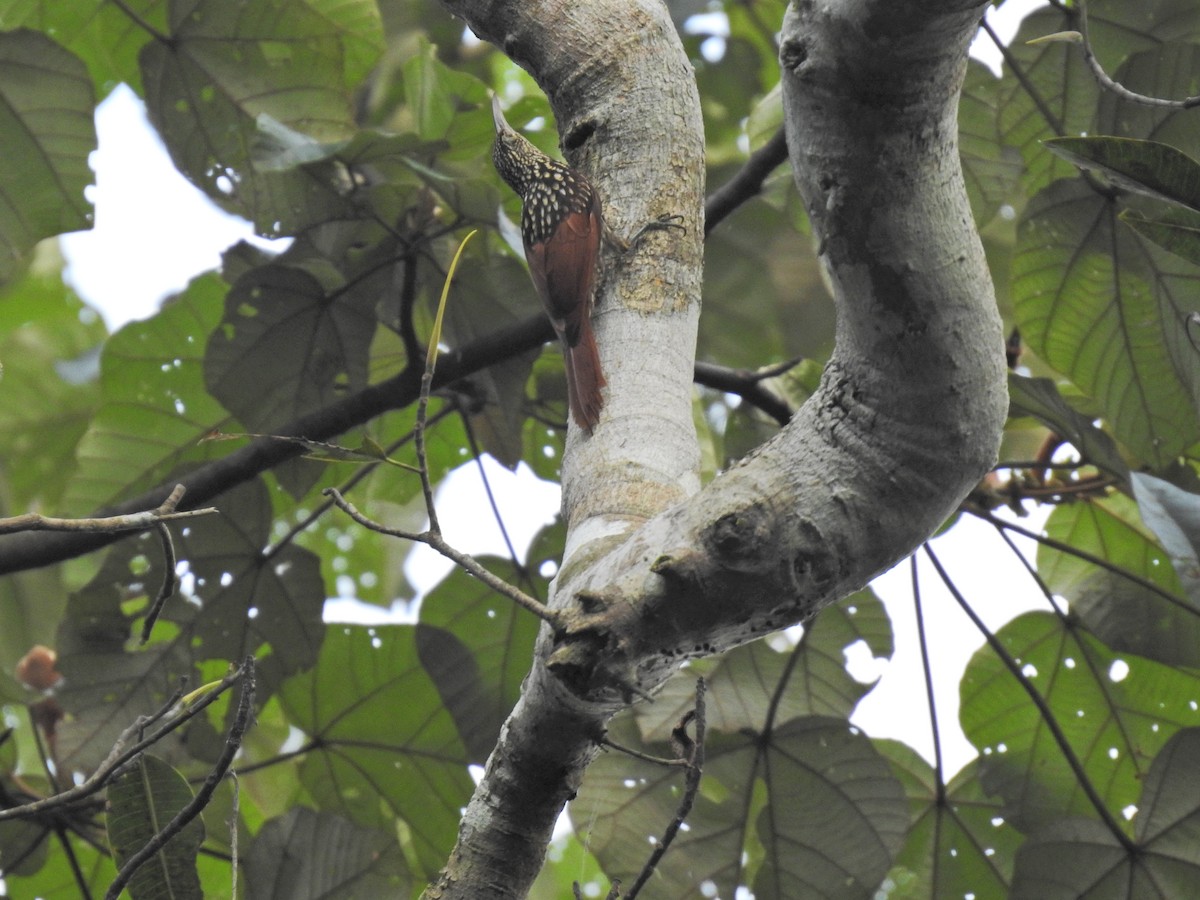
(584, 381)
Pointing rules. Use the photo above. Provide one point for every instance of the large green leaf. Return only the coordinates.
(106, 37)
(385, 746)
(235, 600)
(1108, 311)
(811, 810)
(1041, 398)
(1149, 168)
(1058, 94)
(307, 855)
(154, 406)
(230, 62)
(959, 844)
(991, 169)
(478, 646)
(46, 134)
(285, 347)
(835, 816)
(1116, 711)
(755, 681)
(1158, 624)
(48, 385)
(141, 802)
(1164, 864)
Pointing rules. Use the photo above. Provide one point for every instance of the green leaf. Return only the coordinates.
(141, 802)
(836, 815)
(230, 62)
(991, 169)
(1116, 711)
(815, 795)
(384, 745)
(1160, 625)
(1107, 311)
(626, 803)
(103, 35)
(46, 134)
(1163, 864)
(1177, 232)
(744, 684)
(1058, 95)
(307, 855)
(1040, 398)
(286, 347)
(235, 600)
(1173, 515)
(1144, 167)
(154, 407)
(959, 844)
(478, 646)
(48, 385)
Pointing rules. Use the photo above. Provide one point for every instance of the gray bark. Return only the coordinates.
(907, 418)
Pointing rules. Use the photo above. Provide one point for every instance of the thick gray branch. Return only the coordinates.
(907, 418)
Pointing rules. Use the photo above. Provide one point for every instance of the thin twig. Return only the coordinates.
(233, 742)
(170, 581)
(1116, 87)
(748, 384)
(694, 754)
(235, 809)
(120, 754)
(1044, 711)
(641, 754)
(138, 521)
(463, 560)
(349, 484)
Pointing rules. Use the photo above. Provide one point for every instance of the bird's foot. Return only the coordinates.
(663, 223)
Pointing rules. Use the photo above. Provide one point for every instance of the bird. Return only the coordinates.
(561, 228)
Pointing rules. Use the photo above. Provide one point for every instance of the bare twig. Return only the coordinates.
(136, 521)
(1116, 87)
(233, 742)
(748, 385)
(170, 581)
(747, 183)
(938, 766)
(121, 753)
(693, 753)
(463, 560)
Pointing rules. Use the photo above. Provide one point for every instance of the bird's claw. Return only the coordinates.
(664, 222)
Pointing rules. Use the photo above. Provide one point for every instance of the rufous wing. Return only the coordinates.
(563, 269)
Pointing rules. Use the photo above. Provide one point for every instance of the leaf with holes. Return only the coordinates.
(1115, 711)
(384, 746)
(1107, 310)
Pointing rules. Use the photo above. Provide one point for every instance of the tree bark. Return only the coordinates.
(907, 418)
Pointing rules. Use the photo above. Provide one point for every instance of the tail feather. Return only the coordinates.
(584, 381)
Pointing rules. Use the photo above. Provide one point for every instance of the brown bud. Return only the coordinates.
(36, 668)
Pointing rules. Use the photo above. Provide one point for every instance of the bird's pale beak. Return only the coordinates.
(498, 116)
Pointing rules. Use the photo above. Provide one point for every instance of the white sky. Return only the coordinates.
(154, 231)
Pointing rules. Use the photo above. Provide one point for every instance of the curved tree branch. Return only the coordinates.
(906, 420)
